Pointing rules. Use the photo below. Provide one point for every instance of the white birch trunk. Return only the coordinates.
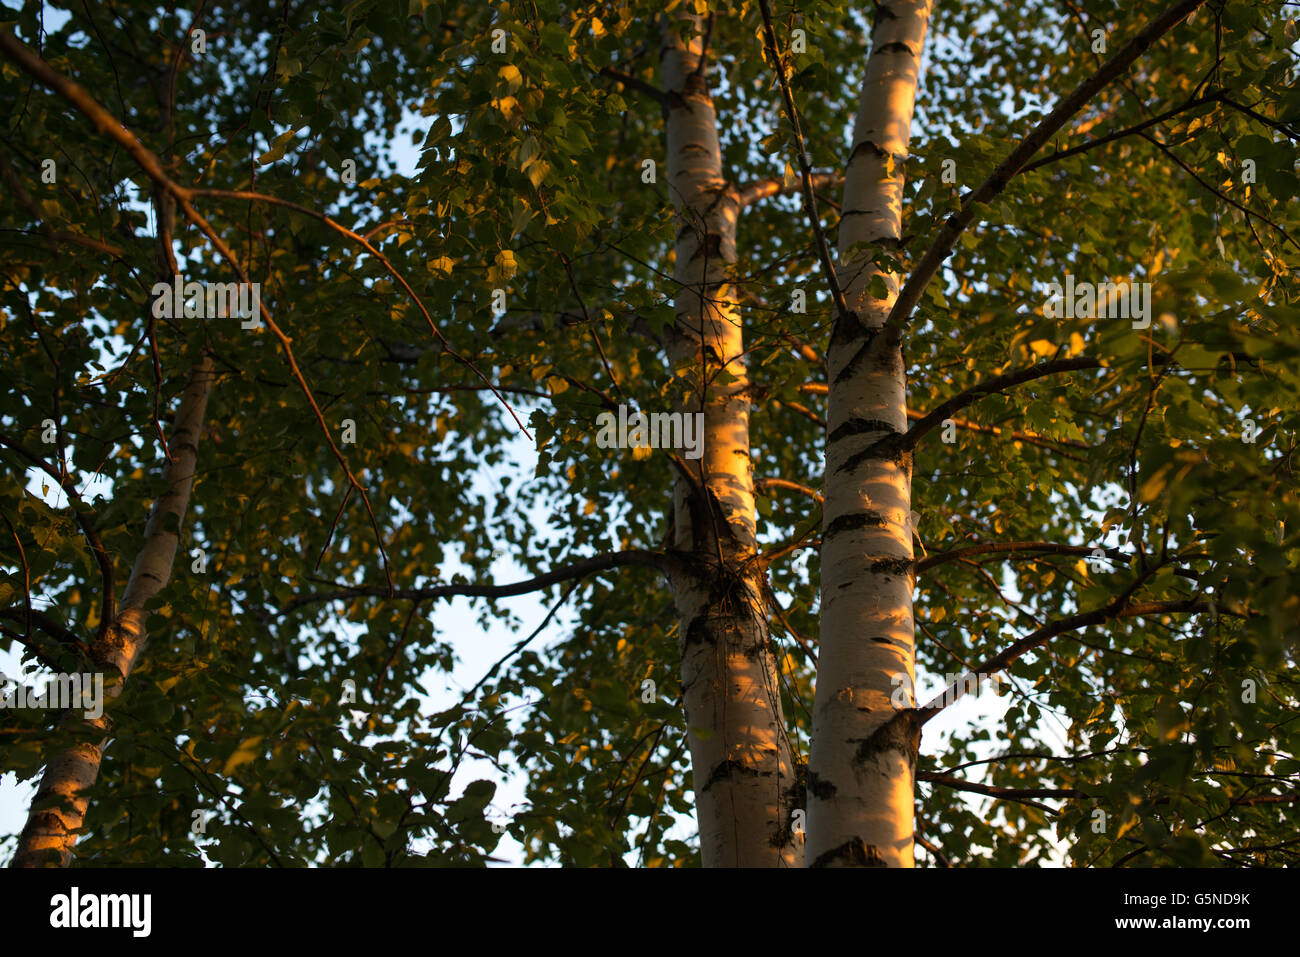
(744, 777)
(860, 783)
(59, 808)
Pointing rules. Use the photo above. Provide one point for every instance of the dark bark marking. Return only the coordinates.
(900, 733)
(819, 788)
(896, 47)
(861, 427)
(727, 769)
(853, 853)
(894, 566)
(893, 448)
(854, 521)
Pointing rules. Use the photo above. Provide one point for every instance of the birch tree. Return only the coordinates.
(860, 769)
(59, 807)
(881, 252)
(744, 779)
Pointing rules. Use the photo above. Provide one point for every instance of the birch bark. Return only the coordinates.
(860, 783)
(59, 808)
(744, 775)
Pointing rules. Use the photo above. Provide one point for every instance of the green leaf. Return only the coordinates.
(278, 147)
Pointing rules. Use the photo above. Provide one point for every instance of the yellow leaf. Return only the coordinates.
(507, 105)
(1077, 344)
(1042, 347)
(247, 751)
(597, 28)
(503, 266)
(513, 78)
(442, 265)
(1153, 486)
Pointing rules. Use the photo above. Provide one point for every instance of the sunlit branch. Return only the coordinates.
(106, 123)
(992, 387)
(1018, 435)
(1127, 131)
(791, 486)
(775, 186)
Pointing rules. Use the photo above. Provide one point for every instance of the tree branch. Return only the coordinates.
(805, 168)
(1019, 795)
(1216, 192)
(635, 83)
(663, 561)
(52, 236)
(904, 442)
(81, 514)
(105, 123)
(60, 633)
(991, 387)
(342, 230)
(1120, 134)
(1003, 659)
(985, 548)
(939, 857)
(761, 189)
(997, 181)
(1019, 435)
(813, 494)
(1282, 128)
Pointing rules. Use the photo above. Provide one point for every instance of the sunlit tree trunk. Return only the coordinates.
(59, 808)
(744, 776)
(861, 768)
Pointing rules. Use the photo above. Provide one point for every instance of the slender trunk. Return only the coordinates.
(860, 782)
(745, 785)
(59, 807)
